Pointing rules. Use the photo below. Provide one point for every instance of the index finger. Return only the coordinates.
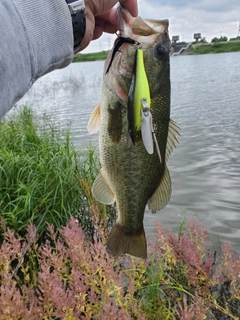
(112, 16)
(131, 6)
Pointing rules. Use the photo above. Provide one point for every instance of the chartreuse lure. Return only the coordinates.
(140, 120)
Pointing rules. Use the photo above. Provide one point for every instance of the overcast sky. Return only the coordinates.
(211, 18)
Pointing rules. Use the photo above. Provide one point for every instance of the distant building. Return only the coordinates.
(175, 38)
(197, 36)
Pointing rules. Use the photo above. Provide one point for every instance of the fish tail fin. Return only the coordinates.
(120, 242)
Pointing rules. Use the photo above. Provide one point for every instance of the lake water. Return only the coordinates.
(205, 167)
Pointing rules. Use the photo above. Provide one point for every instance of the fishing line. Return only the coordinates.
(120, 41)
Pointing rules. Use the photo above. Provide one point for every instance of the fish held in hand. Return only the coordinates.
(137, 135)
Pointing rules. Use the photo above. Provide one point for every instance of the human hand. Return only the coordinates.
(101, 16)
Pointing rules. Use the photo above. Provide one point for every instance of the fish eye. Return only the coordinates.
(161, 51)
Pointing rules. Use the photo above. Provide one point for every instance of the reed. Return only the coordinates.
(40, 174)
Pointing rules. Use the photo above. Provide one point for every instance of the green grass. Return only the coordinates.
(40, 174)
(230, 46)
(81, 57)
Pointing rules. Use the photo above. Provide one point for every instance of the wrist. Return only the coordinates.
(77, 11)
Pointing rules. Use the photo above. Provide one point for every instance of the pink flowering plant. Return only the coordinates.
(69, 277)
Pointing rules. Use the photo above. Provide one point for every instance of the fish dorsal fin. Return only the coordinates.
(141, 28)
(162, 194)
(173, 132)
(94, 121)
(101, 190)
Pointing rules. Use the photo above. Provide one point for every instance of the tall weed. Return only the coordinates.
(41, 173)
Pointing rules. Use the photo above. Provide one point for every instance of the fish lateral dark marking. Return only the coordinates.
(120, 41)
(130, 105)
(115, 122)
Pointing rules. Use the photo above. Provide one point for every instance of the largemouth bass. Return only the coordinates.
(136, 133)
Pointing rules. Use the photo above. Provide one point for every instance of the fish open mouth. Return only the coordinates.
(144, 31)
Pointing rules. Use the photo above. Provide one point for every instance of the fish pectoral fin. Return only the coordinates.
(94, 121)
(162, 194)
(101, 190)
(146, 131)
(173, 132)
(120, 242)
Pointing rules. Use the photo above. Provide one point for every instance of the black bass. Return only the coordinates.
(136, 133)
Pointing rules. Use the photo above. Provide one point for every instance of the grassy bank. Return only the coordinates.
(219, 47)
(43, 175)
(63, 271)
(81, 57)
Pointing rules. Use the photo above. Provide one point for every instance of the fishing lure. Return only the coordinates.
(140, 122)
(148, 130)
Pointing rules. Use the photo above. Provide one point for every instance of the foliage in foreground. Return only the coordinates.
(77, 279)
(43, 176)
(66, 276)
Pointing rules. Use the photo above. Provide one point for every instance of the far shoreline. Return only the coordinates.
(213, 47)
(193, 49)
(94, 56)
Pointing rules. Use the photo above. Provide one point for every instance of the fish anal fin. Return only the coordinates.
(120, 242)
(101, 190)
(173, 132)
(94, 121)
(162, 194)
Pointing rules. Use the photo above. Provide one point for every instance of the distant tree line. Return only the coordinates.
(203, 40)
(221, 39)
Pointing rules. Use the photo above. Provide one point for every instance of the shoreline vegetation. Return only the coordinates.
(215, 47)
(194, 48)
(84, 57)
(53, 260)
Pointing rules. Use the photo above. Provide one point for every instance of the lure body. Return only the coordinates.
(139, 89)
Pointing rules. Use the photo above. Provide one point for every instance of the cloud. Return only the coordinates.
(206, 5)
(211, 18)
